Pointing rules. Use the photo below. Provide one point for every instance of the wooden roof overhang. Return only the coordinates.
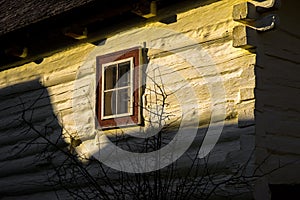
(90, 22)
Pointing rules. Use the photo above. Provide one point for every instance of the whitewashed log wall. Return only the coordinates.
(58, 96)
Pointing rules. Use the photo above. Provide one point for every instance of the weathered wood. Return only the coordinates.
(277, 98)
(41, 116)
(38, 195)
(32, 163)
(20, 133)
(31, 147)
(246, 114)
(21, 87)
(12, 135)
(245, 11)
(25, 184)
(244, 37)
(67, 79)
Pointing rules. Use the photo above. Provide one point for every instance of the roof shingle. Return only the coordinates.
(15, 14)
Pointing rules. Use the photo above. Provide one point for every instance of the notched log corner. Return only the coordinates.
(244, 37)
(244, 12)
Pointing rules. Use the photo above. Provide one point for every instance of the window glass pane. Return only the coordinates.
(110, 77)
(109, 103)
(123, 101)
(124, 74)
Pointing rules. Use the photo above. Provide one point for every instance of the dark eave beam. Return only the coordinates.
(89, 25)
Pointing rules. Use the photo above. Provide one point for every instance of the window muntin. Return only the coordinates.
(136, 55)
(117, 86)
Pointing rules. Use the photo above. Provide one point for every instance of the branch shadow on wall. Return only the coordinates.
(30, 137)
(37, 163)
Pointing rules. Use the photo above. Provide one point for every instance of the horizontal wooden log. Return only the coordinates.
(25, 100)
(39, 181)
(38, 116)
(280, 144)
(280, 98)
(32, 163)
(57, 78)
(32, 147)
(37, 195)
(25, 133)
(20, 88)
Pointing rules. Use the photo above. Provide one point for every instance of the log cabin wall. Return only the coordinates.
(271, 29)
(277, 103)
(57, 96)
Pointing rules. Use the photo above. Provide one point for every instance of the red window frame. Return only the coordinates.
(135, 118)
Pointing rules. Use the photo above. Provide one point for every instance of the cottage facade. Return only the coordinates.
(75, 75)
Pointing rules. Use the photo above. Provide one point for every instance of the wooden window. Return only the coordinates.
(118, 90)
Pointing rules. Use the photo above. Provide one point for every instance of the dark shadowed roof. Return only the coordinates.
(15, 14)
(31, 30)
